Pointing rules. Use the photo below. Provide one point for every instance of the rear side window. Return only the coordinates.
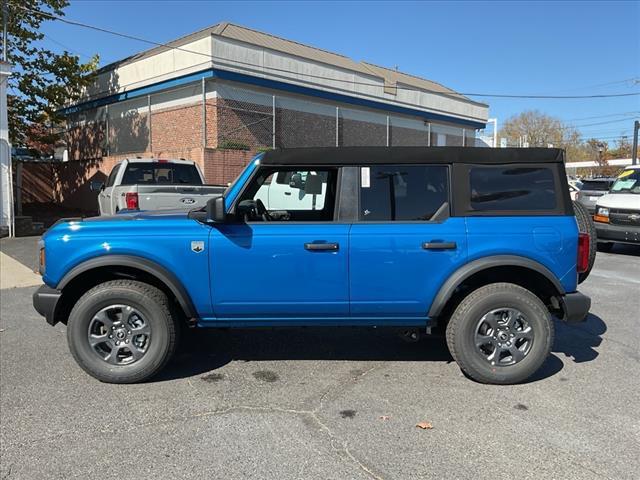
(505, 188)
(402, 192)
(161, 174)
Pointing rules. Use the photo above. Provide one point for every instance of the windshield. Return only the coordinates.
(627, 182)
(596, 185)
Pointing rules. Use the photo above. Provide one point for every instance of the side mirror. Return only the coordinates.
(313, 185)
(296, 181)
(216, 212)
(96, 186)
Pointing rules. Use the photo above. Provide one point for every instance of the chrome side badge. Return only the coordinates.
(197, 246)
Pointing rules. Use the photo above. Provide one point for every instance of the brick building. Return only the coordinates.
(219, 95)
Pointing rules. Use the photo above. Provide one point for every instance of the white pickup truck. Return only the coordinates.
(152, 184)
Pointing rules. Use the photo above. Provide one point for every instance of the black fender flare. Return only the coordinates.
(448, 287)
(148, 266)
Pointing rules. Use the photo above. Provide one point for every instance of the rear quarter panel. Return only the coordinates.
(549, 240)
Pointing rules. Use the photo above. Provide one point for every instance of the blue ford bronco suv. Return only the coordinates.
(483, 243)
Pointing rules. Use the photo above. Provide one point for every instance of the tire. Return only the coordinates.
(585, 225)
(605, 246)
(468, 318)
(151, 326)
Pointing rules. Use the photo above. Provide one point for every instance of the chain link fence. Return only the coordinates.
(223, 115)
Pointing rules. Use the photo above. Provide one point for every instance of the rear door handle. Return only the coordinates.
(331, 247)
(439, 245)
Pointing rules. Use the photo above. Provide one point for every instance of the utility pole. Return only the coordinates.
(634, 152)
(494, 143)
(6, 174)
(5, 15)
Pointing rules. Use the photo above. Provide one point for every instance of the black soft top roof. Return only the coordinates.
(382, 155)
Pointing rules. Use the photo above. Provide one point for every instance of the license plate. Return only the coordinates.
(593, 199)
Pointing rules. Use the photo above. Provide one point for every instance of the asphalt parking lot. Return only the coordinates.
(326, 404)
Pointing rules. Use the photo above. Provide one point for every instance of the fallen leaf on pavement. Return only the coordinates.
(385, 417)
(425, 425)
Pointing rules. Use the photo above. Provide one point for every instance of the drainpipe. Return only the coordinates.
(337, 126)
(204, 114)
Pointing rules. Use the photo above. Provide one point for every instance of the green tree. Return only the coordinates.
(540, 130)
(42, 80)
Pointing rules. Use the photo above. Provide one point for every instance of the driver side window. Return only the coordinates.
(290, 194)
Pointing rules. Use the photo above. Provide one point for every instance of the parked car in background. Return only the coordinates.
(152, 184)
(482, 243)
(574, 182)
(573, 191)
(617, 215)
(592, 189)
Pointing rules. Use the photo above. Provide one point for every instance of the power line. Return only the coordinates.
(604, 123)
(470, 94)
(631, 81)
(635, 112)
(69, 49)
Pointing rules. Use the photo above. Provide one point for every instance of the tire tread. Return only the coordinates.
(150, 292)
(460, 315)
(586, 225)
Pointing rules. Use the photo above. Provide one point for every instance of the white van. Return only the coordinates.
(617, 214)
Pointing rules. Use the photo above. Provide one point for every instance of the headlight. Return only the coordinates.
(602, 215)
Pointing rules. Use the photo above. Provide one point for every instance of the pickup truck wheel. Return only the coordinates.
(500, 333)
(585, 225)
(122, 331)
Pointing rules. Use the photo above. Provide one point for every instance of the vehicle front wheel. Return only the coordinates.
(500, 333)
(122, 331)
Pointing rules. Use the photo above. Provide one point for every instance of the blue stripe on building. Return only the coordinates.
(266, 83)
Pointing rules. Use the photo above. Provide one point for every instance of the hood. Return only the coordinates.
(137, 221)
(627, 201)
(135, 215)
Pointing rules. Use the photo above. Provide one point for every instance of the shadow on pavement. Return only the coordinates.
(579, 341)
(22, 249)
(204, 350)
(207, 349)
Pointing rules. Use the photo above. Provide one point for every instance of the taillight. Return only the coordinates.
(132, 200)
(583, 252)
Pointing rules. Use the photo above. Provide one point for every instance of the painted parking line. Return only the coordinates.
(13, 274)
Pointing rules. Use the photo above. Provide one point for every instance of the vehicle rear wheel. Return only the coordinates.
(585, 225)
(122, 331)
(500, 333)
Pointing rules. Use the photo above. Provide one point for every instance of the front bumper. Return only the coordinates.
(575, 306)
(45, 300)
(617, 233)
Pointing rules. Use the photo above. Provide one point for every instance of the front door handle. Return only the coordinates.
(439, 245)
(331, 247)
